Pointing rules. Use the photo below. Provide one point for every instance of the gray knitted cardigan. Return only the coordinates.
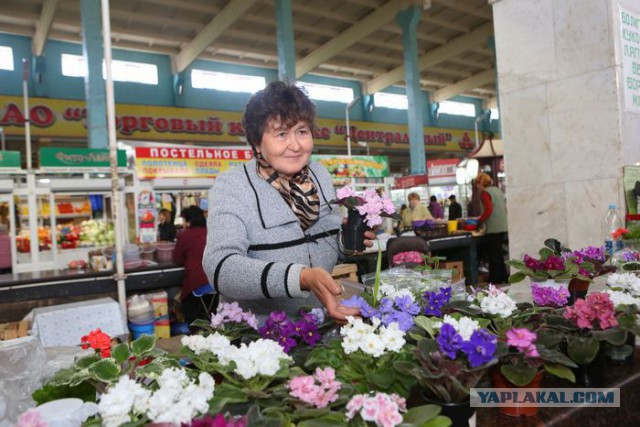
(256, 247)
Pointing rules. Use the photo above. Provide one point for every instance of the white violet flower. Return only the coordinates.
(465, 327)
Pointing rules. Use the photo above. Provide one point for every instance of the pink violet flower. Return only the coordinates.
(31, 418)
(521, 337)
(345, 192)
(304, 387)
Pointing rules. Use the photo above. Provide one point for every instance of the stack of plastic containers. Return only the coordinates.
(164, 251)
(141, 316)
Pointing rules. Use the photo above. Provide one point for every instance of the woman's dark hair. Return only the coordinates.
(194, 216)
(279, 100)
(433, 199)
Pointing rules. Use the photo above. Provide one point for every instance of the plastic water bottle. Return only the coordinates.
(612, 222)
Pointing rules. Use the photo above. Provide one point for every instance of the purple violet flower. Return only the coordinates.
(308, 332)
(547, 296)
(481, 348)
(386, 305)
(406, 304)
(449, 341)
(403, 319)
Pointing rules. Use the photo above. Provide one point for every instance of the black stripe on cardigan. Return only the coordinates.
(263, 280)
(296, 242)
(216, 274)
(246, 172)
(286, 280)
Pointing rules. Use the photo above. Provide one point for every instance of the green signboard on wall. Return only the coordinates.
(78, 158)
(10, 159)
(341, 167)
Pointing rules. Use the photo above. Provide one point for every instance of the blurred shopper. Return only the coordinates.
(415, 212)
(5, 250)
(494, 216)
(166, 228)
(435, 208)
(455, 208)
(188, 253)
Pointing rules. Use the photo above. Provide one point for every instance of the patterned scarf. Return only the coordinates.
(299, 191)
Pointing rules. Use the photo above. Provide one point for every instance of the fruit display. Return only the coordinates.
(68, 236)
(23, 241)
(96, 233)
(77, 264)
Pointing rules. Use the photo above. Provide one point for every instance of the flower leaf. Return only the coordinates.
(225, 394)
(519, 375)
(613, 336)
(517, 277)
(582, 350)
(426, 324)
(105, 370)
(383, 377)
(555, 357)
(420, 415)
(439, 421)
(143, 345)
(560, 371)
(121, 353)
(85, 362)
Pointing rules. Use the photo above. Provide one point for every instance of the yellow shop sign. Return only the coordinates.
(57, 118)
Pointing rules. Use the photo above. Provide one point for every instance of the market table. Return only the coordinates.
(454, 248)
(626, 377)
(21, 292)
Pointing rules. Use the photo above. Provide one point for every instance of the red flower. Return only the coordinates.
(97, 340)
(620, 232)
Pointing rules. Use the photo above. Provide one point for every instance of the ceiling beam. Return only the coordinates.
(223, 20)
(464, 6)
(462, 86)
(44, 26)
(433, 57)
(351, 35)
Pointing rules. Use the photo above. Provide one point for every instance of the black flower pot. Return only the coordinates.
(592, 374)
(353, 231)
(459, 413)
(577, 289)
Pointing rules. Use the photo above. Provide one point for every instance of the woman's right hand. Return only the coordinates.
(320, 282)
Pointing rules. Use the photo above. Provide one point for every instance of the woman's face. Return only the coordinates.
(287, 150)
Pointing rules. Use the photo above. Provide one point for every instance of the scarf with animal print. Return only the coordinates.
(299, 191)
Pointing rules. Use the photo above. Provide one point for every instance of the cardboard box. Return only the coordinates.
(160, 301)
(13, 330)
(457, 267)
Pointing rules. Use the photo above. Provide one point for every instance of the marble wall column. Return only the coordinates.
(567, 136)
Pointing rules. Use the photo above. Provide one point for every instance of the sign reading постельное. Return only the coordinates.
(78, 158)
(187, 162)
(57, 118)
(10, 159)
(630, 53)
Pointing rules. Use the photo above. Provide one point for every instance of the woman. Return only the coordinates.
(166, 229)
(415, 212)
(494, 215)
(272, 234)
(188, 253)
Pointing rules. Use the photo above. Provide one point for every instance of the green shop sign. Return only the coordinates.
(10, 159)
(341, 167)
(78, 158)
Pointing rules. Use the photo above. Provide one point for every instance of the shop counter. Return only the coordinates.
(20, 292)
(455, 248)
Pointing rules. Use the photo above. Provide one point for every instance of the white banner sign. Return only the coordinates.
(630, 52)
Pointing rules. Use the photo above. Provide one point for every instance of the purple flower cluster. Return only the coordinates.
(401, 310)
(592, 253)
(480, 348)
(548, 296)
(629, 255)
(289, 334)
(553, 262)
(434, 301)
